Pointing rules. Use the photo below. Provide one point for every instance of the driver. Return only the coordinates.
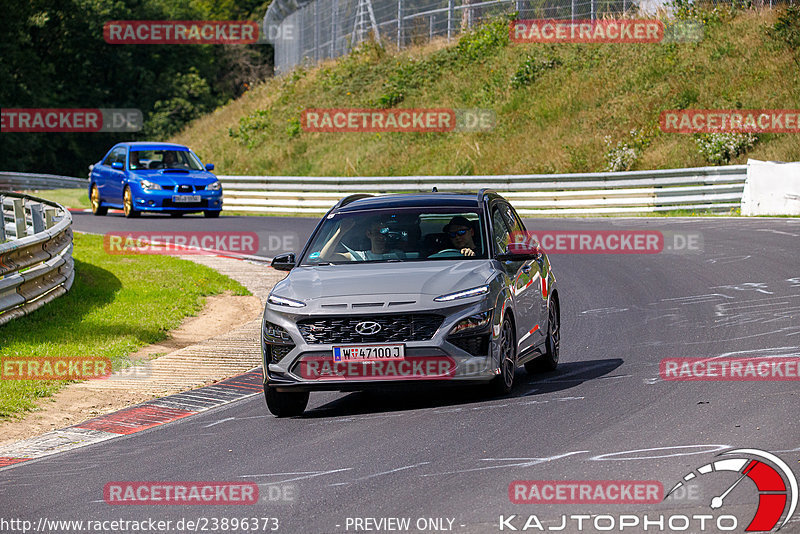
(462, 235)
(169, 160)
(376, 232)
(134, 164)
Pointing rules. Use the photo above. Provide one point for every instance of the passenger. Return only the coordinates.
(461, 234)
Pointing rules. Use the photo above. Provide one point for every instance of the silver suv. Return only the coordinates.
(395, 289)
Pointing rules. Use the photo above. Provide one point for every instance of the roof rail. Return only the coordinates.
(351, 198)
(483, 192)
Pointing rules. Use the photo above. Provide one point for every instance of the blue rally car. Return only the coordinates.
(154, 177)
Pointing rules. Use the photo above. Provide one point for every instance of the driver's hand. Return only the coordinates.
(467, 252)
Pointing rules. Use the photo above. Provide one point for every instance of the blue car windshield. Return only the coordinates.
(409, 234)
(163, 159)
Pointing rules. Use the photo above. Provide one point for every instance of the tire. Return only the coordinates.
(549, 360)
(504, 382)
(210, 214)
(127, 204)
(283, 404)
(97, 205)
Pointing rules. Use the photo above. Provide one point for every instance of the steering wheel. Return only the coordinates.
(448, 252)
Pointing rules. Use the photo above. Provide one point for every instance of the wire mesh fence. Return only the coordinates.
(305, 32)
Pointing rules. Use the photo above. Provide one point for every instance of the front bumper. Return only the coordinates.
(436, 361)
(161, 200)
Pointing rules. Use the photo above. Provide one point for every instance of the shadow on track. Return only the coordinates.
(567, 376)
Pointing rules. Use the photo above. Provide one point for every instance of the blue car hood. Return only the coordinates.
(176, 176)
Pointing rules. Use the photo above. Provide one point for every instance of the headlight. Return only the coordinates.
(214, 186)
(147, 184)
(281, 301)
(467, 293)
(473, 322)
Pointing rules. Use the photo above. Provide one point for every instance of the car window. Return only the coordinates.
(408, 234)
(118, 154)
(500, 231)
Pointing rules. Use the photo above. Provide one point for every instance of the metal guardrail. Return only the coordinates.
(35, 254)
(24, 180)
(717, 189)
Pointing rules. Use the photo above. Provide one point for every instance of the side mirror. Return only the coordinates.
(283, 262)
(117, 165)
(91, 168)
(520, 251)
(209, 166)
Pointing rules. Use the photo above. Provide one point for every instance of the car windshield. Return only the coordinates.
(397, 235)
(164, 159)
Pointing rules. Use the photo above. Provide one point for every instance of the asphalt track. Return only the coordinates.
(603, 415)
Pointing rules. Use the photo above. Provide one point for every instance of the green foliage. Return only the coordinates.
(786, 30)
(53, 55)
(721, 148)
(252, 128)
(530, 69)
(483, 42)
(698, 11)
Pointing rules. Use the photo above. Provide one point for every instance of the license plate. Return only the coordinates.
(368, 353)
(186, 198)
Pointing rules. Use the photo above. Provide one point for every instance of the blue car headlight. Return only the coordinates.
(214, 186)
(147, 185)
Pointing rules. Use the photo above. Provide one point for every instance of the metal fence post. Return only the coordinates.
(316, 31)
(572, 10)
(49, 217)
(449, 19)
(20, 226)
(592, 4)
(399, 24)
(335, 8)
(431, 37)
(2, 220)
(37, 217)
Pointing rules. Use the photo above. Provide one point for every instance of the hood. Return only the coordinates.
(176, 176)
(432, 278)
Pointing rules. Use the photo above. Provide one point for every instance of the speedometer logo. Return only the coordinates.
(777, 485)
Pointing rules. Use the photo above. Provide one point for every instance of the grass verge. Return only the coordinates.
(117, 304)
(69, 198)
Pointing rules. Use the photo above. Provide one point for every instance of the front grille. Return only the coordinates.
(167, 187)
(394, 328)
(183, 188)
(276, 353)
(475, 345)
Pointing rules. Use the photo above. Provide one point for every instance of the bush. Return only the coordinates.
(530, 69)
(623, 155)
(721, 148)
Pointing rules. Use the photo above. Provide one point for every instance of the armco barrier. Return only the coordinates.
(35, 254)
(717, 189)
(24, 180)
